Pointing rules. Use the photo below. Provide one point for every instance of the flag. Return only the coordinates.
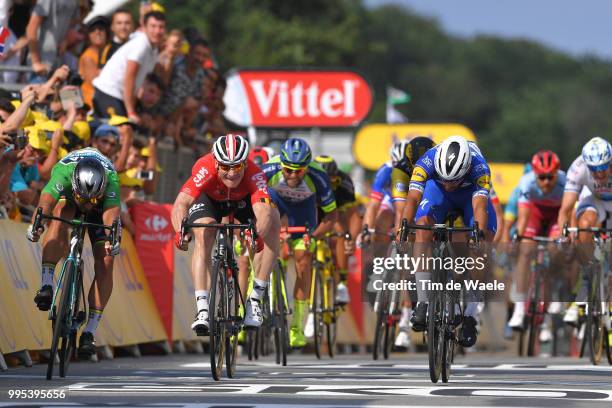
(395, 116)
(4, 34)
(396, 96)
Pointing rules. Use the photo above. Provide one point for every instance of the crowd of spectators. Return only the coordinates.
(116, 83)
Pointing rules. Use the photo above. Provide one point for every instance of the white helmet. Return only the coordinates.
(453, 158)
(398, 150)
(231, 149)
(597, 154)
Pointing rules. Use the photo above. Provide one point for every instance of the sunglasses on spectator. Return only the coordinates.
(291, 170)
(543, 177)
(228, 168)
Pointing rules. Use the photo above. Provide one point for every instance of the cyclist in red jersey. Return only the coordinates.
(218, 178)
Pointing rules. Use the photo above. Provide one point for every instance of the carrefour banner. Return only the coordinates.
(153, 237)
(297, 98)
(373, 142)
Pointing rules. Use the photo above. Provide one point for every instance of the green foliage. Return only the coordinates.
(517, 95)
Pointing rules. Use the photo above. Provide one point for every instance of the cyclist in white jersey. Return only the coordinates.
(589, 182)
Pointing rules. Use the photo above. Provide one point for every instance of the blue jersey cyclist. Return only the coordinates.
(452, 176)
(297, 185)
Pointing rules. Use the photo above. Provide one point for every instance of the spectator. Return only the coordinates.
(183, 98)
(147, 104)
(106, 140)
(97, 37)
(123, 127)
(122, 25)
(45, 32)
(167, 57)
(116, 86)
(25, 179)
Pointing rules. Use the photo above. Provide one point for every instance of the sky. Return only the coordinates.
(573, 26)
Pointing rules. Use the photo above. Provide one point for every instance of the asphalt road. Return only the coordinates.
(182, 380)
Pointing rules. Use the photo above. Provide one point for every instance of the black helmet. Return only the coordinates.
(417, 148)
(89, 179)
(328, 164)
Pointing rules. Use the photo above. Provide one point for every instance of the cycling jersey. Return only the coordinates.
(344, 191)
(205, 179)
(531, 194)
(579, 176)
(315, 186)
(60, 183)
(400, 180)
(478, 178)
(382, 182)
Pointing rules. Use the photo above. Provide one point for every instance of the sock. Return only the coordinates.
(300, 307)
(259, 286)
(405, 319)
(201, 299)
(48, 270)
(422, 295)
(93, 320)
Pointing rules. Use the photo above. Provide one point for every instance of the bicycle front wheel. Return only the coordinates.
(217, 319)
(317, 310)
(330, 316)
(381, 323)
(69, 342)
(435, 335)
(595, 321)
(281, 330)
(231, 338)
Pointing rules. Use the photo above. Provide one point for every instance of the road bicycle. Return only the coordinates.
(68, 309)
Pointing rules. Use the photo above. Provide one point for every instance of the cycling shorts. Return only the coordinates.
(588, 202)
(542, 221)
(206, 207)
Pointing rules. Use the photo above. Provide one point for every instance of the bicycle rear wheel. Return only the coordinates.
(217, 318)
(60, 329)
(317, 306)
(231, 338)
(331, 315)
(448, 349)
(595, 321)
(69, 343)
(435, 335)
(281, 329)
(381, 323)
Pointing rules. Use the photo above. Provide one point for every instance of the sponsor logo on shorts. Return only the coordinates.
(196, 207)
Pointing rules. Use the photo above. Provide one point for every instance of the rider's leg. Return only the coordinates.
(54, 247)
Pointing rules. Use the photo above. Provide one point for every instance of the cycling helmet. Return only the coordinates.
(417, 148)
(295, 153)
(89, 179)
(597, 154)
(398, 150)
(231, 149)
(259, 155)
(452, 160)
(545, 162)
(328, 164)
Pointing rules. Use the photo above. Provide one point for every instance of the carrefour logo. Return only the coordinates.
(156, 222)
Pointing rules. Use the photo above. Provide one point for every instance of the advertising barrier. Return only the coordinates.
(129, 318)
(154, 243)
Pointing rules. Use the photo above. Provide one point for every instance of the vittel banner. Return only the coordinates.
(286, 98)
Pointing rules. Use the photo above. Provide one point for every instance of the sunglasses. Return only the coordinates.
(227, 168)
(597, 169)
(291, 171)
(546, 177)
(82, 200)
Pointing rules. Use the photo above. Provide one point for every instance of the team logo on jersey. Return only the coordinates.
(199, 178)
(484, 181)
(111, 194)
(427, 161)
(59, 187)
(418, 175)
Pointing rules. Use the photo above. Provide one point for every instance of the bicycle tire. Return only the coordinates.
(318, 312)
(59, 329)
(281, 328)
(381, 317)
(595, 324)
(69, 343)
(250, 344)
(534, 306)
(434, 346)
(330, 317)
(217, 317)
(231, 339)
(448, 348)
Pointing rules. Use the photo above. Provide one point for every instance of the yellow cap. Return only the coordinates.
(29, 118)
(128, 178)
(157, 7)
(61, 153)
(82, 130)
(117, 120)
(52, 126)
(37, 139)
(144, 152)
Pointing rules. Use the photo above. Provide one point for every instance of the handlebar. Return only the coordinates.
(114, 229)
(538, 239)
(594, 230)
(405, 229)
(250, 226)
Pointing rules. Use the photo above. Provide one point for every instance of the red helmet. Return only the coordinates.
(545, 162)
(259, 155)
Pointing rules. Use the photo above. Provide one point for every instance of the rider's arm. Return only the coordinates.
(47, 203)
(567, 205)
(179, 209)
(523, 217)
(479, 204)
(265, 215)
(412, 201)
(369, 218)
(326, 224)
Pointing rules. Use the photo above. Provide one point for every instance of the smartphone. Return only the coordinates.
(19, 139)
(71, 95)
(145, 175)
